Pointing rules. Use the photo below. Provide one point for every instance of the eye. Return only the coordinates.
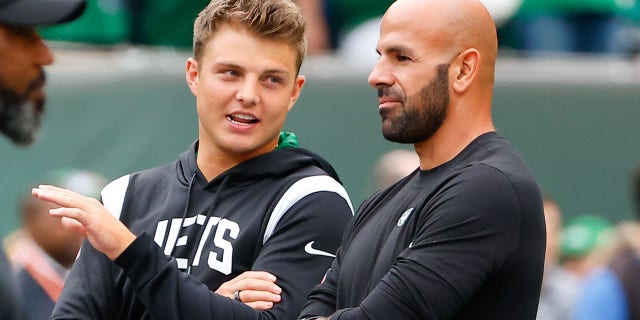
(402, 58)
(231, 73)
(274, 79)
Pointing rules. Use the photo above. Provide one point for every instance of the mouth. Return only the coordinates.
(388, 103)
(36, 93)
(241, 118)
(389, 95)
(385, 100)
(39, 97)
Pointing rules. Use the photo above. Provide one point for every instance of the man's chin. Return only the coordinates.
(22, 139)
(21, 124)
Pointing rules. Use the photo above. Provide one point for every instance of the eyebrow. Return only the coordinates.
(237, 66)
(228, 65)
(398, 48)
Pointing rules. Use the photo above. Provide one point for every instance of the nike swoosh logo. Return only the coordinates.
(310, 250)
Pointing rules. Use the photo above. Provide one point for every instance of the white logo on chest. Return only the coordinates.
(223, 231)
(405, 215)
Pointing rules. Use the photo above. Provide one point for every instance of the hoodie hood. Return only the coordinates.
(278, 162)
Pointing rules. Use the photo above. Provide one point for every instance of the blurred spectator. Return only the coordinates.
(344, 15)
(393, 166)
(635, 191)
(559, 287)
(354, 25)
(317, 29)
(141, 22)
(43, 251)
(164, 22)
(594, 26)
(105, 22)
(584, 244)
(613, 293)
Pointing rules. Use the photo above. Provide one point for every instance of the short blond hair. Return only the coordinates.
(277, 20)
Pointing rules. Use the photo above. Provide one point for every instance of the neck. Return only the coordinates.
(213, 162)
(462, 125)
(212, 165)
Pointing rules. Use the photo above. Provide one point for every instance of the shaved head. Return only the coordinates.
(435, 74)
(451, 26)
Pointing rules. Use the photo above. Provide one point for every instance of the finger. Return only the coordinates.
(260, 305)
(59, 198)
(258, 275)
(73, 213)
(63, 197)
(258, 285)
(248, 296)
(249, 280)
(261, 275)
(73, 225)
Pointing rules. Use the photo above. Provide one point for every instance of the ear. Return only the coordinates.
(297, 89)
(192, 75)
(466, 69)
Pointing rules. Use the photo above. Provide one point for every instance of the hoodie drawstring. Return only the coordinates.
(209, 212)
(186, 207)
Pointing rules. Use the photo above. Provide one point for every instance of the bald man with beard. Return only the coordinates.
(464, 236)
(23, 55)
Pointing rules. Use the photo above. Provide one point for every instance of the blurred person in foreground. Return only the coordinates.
(613, 292)
(242, 201)
(464, 236)
(42, 251)
(23, 55)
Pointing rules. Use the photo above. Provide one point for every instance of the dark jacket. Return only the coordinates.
(263, 214)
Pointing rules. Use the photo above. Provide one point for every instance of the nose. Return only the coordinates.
(248, 93)
(41, 53)
(380, 75)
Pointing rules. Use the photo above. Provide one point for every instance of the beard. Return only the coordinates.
(421, 114)
(20, 117)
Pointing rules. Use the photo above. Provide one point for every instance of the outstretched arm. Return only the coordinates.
(152, 273)
(110, 236)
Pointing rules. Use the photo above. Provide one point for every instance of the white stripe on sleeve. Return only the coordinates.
(299, 190)
(113, 195)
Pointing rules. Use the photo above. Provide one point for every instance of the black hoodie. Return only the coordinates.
(279, 212)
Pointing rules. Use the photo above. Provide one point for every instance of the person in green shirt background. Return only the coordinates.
(166, 23)
(577, 26)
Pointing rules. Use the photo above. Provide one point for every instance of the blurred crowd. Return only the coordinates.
(591, 265)
(350, 27)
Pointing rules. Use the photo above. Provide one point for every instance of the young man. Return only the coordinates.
(463, 237)
(241, 198)
(22, 58)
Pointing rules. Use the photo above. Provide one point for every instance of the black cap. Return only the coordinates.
(40, 12)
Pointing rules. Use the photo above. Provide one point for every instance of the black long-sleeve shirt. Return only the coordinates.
(464, 240)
